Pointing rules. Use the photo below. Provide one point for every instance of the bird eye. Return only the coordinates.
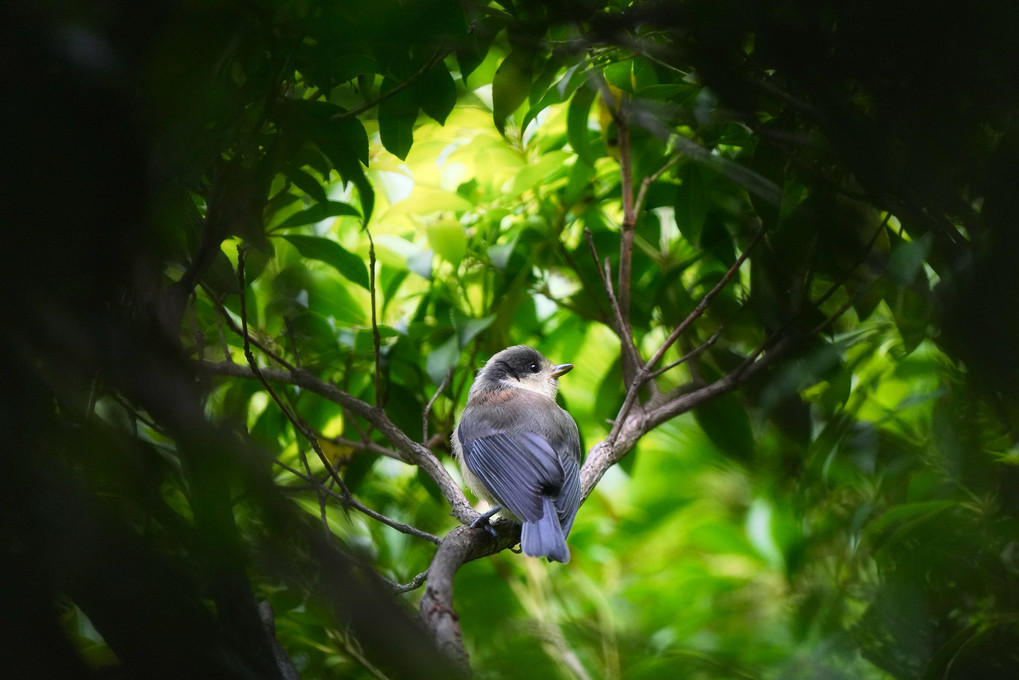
(534, 368)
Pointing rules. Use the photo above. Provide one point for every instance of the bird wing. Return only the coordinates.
(517, 468)
(568, 501)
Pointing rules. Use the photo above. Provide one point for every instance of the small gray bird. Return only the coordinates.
(519, 450)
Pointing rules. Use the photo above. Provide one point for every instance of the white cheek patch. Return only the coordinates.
(548, 388)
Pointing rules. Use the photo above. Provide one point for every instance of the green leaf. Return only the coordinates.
(351, 133)
(397, 115)
(448, 240)
(620, 74)
(441, 359)
(308, 184)
(500, 253)
(345, 143)
(725, 422)
(534, 173)
(425, 201)
(421, 263)
(577, 116)
(436, 93)
(511, 85)
(691, 203)
(579, 184)
(317, 213)
(467, 327)
(324, 250)
(908, 513)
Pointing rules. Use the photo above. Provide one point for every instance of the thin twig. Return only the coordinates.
(225, 314)
(365, 445)
(644, 373)
(409, 451)
(428, 407)
(629, 218)
(691, 354)
(289, 325)
(148, 422)
(376, 339)
(705, 301)
(638, 205)
(298, 425)
(414, 583)
(856, 265)
(351, 502)
(622, 330)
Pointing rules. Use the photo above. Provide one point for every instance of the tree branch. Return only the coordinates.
(410, 451)
(705, 301)
(298, 425)
(622, 329)
(431, 402)
(651, 179)
(460, 546)
(349, 501)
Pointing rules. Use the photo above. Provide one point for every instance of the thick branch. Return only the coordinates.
(460, 546)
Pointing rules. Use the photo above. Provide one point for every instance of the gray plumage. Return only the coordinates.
(517, 448)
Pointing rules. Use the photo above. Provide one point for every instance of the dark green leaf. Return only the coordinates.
(620, 74)
(436, 93)
(725, 422)
(691, 203)
(345, 143)
(397, 115)
(308, 184)
(511, 85)
(333, 254)
(576, 124)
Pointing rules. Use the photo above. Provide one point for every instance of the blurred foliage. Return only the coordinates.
(411, 184)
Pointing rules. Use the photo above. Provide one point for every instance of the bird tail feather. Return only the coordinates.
(545, 538)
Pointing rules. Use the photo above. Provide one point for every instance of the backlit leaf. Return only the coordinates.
(332, 253)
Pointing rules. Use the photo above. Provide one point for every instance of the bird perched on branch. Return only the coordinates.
(519, 450)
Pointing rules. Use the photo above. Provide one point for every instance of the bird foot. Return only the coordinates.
(482, 522)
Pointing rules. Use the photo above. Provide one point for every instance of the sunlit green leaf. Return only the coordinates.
(441, 359)
(448, 240)
(317, 213)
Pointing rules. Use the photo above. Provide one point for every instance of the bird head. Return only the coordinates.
(521, 367)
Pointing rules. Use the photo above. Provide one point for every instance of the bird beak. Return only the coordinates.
(560, 369)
